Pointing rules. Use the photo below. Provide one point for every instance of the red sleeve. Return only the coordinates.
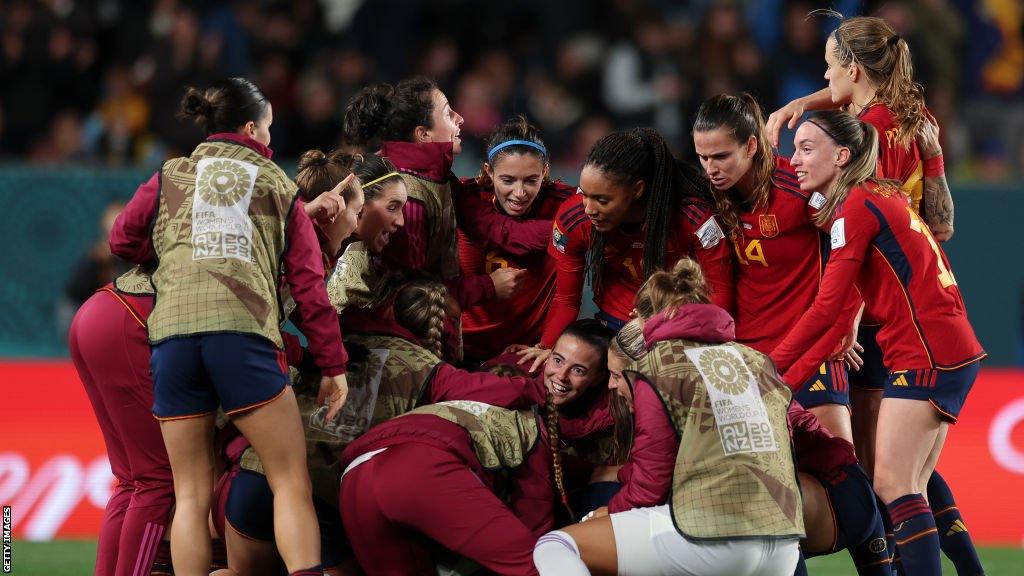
(818, 452)
(716, 262)
(304, 272)
(807, 364)
(131, 235)
(852, 234)
(512, 392)
(568, 246)
(469, 291)
(531, 492)
(653, 456)
(488, 228)
(408, 245)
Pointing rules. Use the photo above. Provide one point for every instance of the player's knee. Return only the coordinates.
(890, 486)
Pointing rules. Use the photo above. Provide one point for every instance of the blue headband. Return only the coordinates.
(490, 154)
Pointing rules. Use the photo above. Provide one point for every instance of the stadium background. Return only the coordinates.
(88, 92)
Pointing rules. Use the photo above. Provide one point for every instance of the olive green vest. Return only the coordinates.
(386, 378)
(501, 438)
(356, 281)
(220, 250)
(734, 475)
(135, 282)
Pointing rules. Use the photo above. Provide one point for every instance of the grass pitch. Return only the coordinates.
(76, 557)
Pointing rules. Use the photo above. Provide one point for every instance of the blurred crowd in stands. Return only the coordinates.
(98, 82)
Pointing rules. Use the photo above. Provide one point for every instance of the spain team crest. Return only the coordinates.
(769, 225)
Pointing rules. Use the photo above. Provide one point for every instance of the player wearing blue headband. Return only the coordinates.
(513, 181)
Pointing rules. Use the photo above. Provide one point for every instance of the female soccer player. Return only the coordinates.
(217, 223)
(438, 472)
(512, 181)
(870, 73)
(418, 131)
(638, 209)
(249, 514)
(711, 439)
(778, 248)
(881, 246)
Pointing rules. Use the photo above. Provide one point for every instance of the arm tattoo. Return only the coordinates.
(938, 205)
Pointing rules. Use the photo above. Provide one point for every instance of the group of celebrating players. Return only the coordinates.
(758, 317)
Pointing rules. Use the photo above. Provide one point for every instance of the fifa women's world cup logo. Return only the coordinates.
(740, 413)
(223, 183)
(221, 227)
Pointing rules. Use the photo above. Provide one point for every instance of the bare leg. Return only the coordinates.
(275, 432)
(189, 445)
(835, 418)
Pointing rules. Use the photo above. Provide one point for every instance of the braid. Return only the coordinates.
(420, 307)
(642, 154)
(551, 419)
(434, 340)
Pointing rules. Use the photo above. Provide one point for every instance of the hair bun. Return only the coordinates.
(310, 158)
(195, 104)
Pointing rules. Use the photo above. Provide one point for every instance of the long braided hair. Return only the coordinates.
(641, 154)
(596, 335)
(420, 307)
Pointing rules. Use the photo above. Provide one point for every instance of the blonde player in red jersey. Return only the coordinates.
(870, 73)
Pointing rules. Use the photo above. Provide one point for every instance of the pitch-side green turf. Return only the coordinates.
(75, 558)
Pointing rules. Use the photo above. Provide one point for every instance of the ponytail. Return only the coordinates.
(641, 154)
(420, 307)
(885, 58)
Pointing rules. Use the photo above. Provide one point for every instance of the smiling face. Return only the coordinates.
(517, 181)
(840, 78)
(817, 159)
(573, 368)
(445, 122)
(606, 202)
(725, 160)
(382, 216)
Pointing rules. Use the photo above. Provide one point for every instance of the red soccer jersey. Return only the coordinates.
(896, 162)
(882, 246)
(487, 329)
(779, 262)
(696, 233)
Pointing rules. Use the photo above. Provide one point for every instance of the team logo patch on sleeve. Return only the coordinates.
(710, 233)
(817, 200)
(769, 225)
(839, 233)
(558, 238)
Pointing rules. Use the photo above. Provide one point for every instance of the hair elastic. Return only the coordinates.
(498, 147)
(381, 179)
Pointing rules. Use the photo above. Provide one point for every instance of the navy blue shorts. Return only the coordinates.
(193, 375)
(610, 321)
(829, 385)
(945, 389)
(873, 374)
(250, 511)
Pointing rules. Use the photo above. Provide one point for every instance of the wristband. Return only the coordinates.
(934, 167)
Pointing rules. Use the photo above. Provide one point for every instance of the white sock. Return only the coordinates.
(556, 553)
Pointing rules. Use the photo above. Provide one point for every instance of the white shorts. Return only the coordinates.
(649, 545)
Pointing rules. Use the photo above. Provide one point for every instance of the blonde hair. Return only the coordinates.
(885, 58)
(420, 306)
(667, 291)
(860, 138)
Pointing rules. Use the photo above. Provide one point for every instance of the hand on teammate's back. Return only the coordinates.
(507, 281)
